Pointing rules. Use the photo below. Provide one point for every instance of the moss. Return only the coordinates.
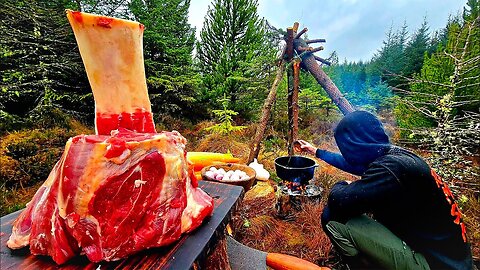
(16, 198)
(11, 172)
(21, 149)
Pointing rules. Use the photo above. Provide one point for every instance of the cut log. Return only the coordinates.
(337, 97)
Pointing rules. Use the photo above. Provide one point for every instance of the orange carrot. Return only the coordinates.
(203, 159)
(286, 262)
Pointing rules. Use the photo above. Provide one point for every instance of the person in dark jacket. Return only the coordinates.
(416, 223)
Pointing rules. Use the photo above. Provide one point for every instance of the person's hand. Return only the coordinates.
(305, 147)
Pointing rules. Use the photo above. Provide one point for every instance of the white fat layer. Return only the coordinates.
(52, 221)
(139, 182)
(89, 235)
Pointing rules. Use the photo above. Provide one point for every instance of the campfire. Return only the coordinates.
(297, 189)
(297, 186)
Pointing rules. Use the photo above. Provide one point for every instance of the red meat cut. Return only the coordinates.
(125, 189)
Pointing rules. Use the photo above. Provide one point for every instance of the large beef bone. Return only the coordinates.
(113, 61)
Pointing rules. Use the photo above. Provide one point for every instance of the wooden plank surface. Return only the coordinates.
(191, 248)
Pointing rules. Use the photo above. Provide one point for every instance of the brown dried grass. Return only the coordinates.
(256, 225)
(223, 144)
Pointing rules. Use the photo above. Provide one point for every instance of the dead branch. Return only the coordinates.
(304, 30)
(317, 49)
(323, 61)
(319, 40)
(304, 49)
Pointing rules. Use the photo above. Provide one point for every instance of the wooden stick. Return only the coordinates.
(316, 49)
(267, 107)
(315, 40)
(326, 62)
(304, 30)
(294, 121)
(290, 78)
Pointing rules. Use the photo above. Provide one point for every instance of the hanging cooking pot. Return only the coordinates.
(295, 168)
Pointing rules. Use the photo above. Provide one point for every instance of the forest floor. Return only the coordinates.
(27, 156)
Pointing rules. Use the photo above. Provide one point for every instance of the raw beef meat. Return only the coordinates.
(125, 189)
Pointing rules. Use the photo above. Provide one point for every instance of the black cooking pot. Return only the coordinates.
(298, 169)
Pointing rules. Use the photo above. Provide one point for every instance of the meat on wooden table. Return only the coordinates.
(125, 189)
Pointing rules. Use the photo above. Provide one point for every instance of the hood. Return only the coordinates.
(361, 138)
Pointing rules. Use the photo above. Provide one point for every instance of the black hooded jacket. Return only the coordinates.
(400, 190)
(361, 139)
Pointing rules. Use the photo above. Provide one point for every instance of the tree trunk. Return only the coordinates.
(314, 68)
(267, 107)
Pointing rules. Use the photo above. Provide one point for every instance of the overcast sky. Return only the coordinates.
(353, 28)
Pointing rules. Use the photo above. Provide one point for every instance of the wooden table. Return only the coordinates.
(191, 249)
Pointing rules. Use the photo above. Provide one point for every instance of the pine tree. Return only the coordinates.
(234, 53)
(168, 45)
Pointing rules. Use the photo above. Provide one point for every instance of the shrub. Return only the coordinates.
(10, 122)
(28, 156)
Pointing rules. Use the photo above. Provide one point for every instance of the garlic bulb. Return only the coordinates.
(262, 174)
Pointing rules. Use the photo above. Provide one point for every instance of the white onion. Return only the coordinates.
(210, 174)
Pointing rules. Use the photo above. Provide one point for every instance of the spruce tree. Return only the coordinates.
(415, 50)
(40, 66)
(390, 59)
(168, 45)
(472, 11)
(234, 52)
(441, 108)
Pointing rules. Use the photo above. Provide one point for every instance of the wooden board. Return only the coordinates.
(191, 249)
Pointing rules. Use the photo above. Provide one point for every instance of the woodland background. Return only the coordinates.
(423, 83)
